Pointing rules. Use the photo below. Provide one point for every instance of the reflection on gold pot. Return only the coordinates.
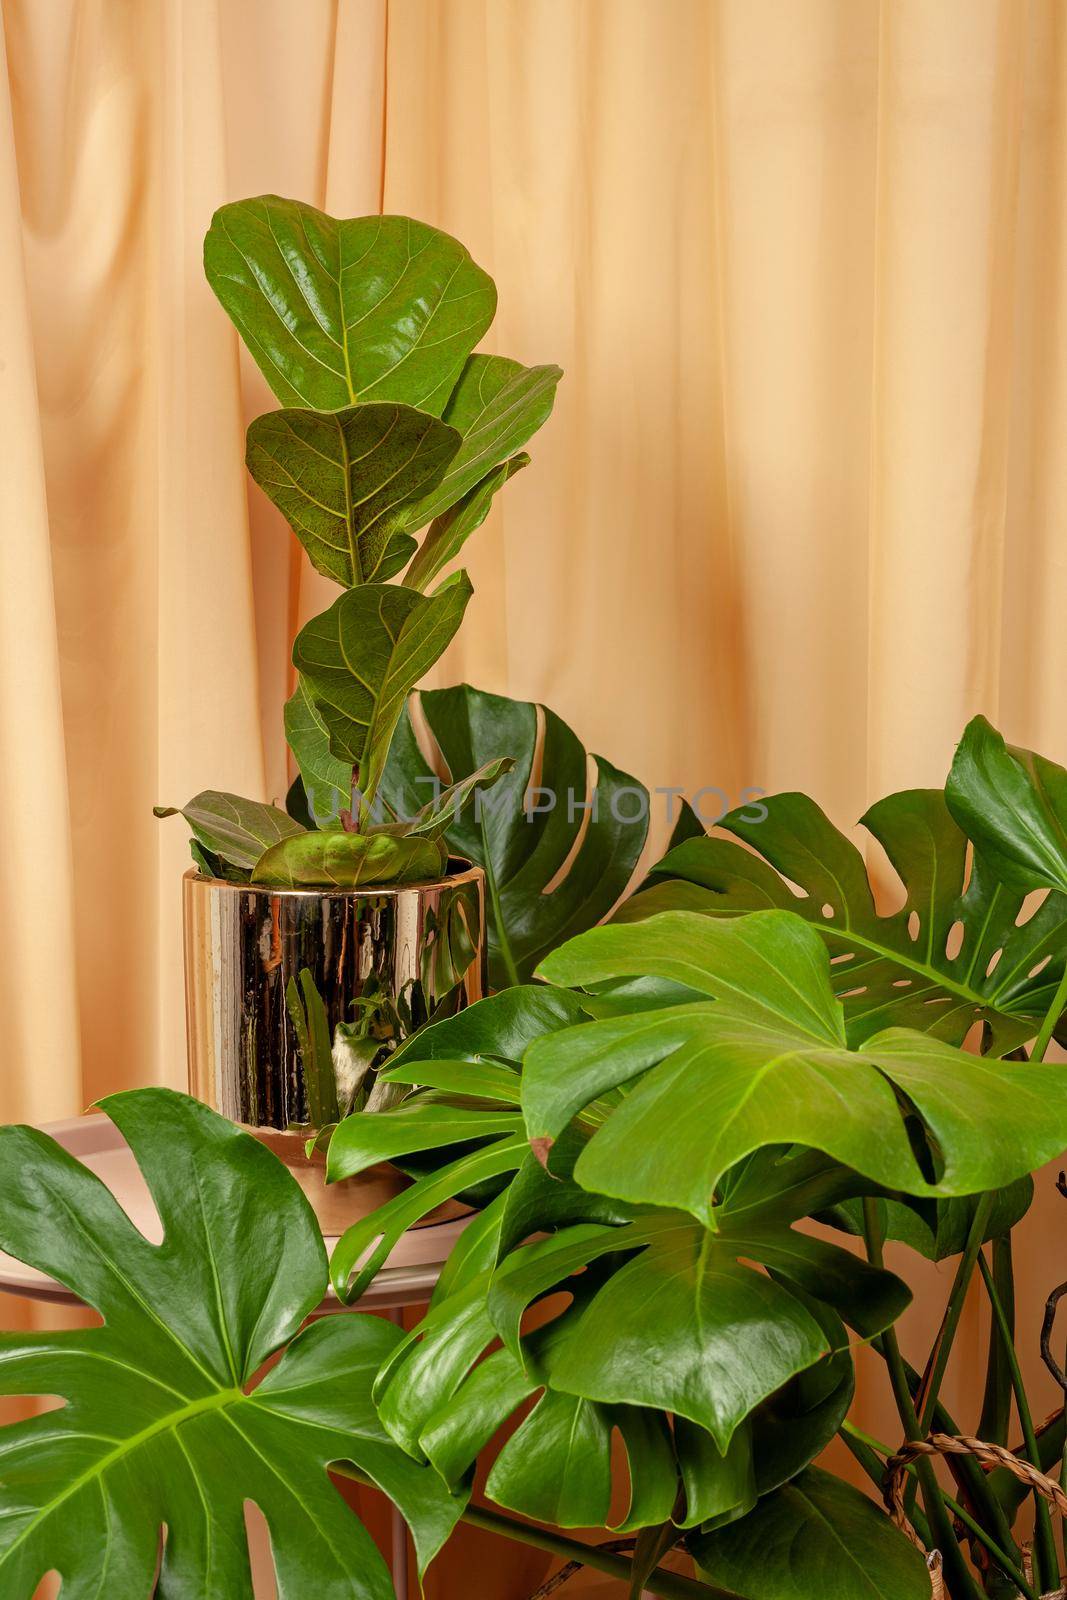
(259, 960)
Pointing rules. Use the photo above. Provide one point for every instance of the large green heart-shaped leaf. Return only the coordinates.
(1013, 804)
(236, 830)
(340, 312)
(360, 659)
(951, 956)
(348, 482)
(558, 854)
(160, 1426)
(766, 1062)
(815, 1539)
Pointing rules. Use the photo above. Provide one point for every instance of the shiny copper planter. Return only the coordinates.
(424, 943)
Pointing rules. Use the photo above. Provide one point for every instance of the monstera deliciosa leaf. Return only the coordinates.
(558, 851)
(765, 1060)
(161, 1427)
(360, 659)
(340, 312)
(958, 951)
(1013, 804)
(815, 1539)
(349, 482)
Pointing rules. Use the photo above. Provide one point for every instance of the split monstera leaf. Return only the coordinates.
(165, 1422)
(390, 425)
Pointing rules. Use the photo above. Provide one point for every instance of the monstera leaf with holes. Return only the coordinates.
(959, 951)
(558, 851)
(641, 1281)
(165, 1423)
(765, 1059)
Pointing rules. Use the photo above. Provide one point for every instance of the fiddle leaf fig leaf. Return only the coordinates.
(347, 481)
(814, 1539)
(335, 860)
(237, 830)
(764, 1061)
(1013, 804)
(449, 532)
(497, 405)
(558, 851)
(437, 815)
(954, 954)
(340, 312)
(360, 659)
(160, 1427)
(326, 778)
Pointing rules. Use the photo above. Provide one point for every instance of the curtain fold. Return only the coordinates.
(801, 510)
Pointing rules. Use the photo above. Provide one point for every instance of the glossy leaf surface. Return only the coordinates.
(541, 888)
(815, 1539)
(449, 532)
(327, 779)
(340, 312)
(497, 405)
(360, 659)
(766, 1062)
(335, 860)
(1013, 804)
(237, 830)
(157, 1428)
(952, 955)
(348, 481)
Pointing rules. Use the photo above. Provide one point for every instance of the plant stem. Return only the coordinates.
(1052, 1016)
(954, 1309)
(866, 1451)
(995, 1420)
(668, 1585)
(1047, 1564)
(964, 1586)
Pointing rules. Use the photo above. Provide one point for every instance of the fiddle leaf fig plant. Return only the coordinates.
(390, 425)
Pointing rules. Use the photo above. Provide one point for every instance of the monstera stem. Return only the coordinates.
(963, 1584)
(953, 1311)
(1047, 1564)
(668, 1585)
(1059, 1000)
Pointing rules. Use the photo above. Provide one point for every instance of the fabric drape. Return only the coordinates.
(801, 510)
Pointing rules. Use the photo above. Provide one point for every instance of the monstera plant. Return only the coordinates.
(391, 425)
(665, 1131)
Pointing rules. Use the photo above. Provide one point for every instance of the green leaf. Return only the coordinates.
(815, 1539)
(449, 532)
(237, 830)
(361, 658)
(363, 1140)
(348, 860)
(766, 1063)
(893, 970)
(685, 1325)
(544, 882)
(497, 406)
(497, 1028)
(327, 779)
(938, 1229)
(335, 312)
(348, 481)
(442, 812)
(1013, 804)
(158, 1430)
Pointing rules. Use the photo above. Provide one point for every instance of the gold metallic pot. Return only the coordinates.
(419, 946)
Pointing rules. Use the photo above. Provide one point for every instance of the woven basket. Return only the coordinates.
(989, 1455)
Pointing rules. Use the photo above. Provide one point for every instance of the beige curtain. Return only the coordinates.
(802, 507)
